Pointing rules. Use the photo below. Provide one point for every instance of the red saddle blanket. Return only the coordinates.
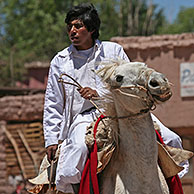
(89, 180)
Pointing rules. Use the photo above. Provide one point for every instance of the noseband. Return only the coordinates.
(150, 106)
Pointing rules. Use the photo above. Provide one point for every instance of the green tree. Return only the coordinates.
(182, 24)
(34, 29)
(140, 17)
(31, 30)
(109, 15)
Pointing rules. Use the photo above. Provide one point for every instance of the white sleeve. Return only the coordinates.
(53, 106)
(172, 139)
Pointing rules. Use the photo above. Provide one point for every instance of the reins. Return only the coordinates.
(143, 111)
(76, 84)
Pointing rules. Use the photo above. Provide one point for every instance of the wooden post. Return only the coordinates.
(15, 146)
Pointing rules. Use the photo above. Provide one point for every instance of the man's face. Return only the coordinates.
(79, 35)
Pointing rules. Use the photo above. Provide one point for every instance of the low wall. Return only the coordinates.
(22, 108)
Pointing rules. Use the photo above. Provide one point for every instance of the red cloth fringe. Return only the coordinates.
(89, 180)
(174, 183)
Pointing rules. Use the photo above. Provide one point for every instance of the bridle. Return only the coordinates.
(149, 103)
(150, 106)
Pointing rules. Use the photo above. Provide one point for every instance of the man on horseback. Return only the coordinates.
(68, 110)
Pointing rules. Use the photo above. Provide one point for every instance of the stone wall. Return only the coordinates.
(22, 108)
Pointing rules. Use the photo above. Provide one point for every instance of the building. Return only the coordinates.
(37, 74)
(168, 55)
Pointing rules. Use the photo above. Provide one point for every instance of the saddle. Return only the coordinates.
(107, 139)
(170, 158)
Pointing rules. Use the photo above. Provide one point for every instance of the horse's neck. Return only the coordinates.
(137, 134)
(137, 141)
(136, 158)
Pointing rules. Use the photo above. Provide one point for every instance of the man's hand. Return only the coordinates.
(50, 151)
(87, 93)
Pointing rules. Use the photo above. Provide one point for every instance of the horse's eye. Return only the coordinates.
(119, 78)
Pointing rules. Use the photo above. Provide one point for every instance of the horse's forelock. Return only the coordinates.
(108, 68)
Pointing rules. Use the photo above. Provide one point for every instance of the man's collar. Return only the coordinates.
(71, 49)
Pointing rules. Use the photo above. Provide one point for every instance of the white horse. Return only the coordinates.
(134, 90)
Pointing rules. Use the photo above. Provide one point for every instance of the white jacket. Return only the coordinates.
(57, 115)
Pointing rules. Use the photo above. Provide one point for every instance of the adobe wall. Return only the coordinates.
(38, 79)
(165, 53)
(22, 108)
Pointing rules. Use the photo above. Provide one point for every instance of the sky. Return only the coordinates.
(172, 7)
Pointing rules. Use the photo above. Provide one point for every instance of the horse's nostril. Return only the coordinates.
(154, 83)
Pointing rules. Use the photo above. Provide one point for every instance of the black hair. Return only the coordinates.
(87, 13)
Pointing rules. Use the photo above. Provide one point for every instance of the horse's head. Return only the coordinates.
(133, 83)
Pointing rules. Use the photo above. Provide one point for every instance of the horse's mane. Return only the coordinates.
(108, 67)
